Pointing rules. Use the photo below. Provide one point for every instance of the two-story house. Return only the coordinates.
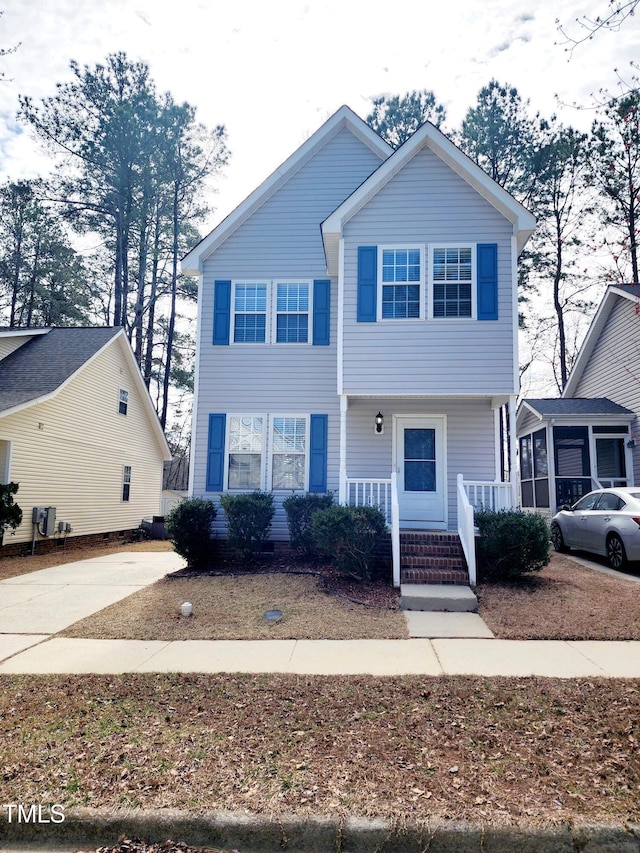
(357, 331)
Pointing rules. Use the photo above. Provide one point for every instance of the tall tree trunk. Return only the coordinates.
(172, 315)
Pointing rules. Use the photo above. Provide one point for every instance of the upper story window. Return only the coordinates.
(401, 282)
(123, 401)
(292, 312)
(452, 274)
(250, 313)
(271, 312)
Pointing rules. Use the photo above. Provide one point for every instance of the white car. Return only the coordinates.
(606, 522)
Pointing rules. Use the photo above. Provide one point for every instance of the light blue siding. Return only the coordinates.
(427, 203)
(281, 239)
(470, 439)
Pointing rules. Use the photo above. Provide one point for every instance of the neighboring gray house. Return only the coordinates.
(592, 432)
(358, 331)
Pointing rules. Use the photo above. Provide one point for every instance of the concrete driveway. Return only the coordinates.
(36, 605)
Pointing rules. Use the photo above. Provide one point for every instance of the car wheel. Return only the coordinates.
(616, 554)
(557, 538)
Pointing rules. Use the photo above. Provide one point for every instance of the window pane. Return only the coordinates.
(419, 476)
(526, 467)
(610, 456)
(245, 435)
(401, 265)
(249, 328)
(571, 451)
(400, 301)
(292, 329)
(288, 471)
(420, 444)
(244, 471)
(289, 434)
(540, 453)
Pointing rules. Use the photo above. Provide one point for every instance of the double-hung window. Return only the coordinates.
(452, 275)
(268, 452)
(289, 452)
(401, 281)
(126, 482)
(274, 311)
(245, 456)
(250, 312)
(292, 312)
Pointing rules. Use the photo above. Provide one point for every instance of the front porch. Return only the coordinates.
(432, 556)
(427, 462)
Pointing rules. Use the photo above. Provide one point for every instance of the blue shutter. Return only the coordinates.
(221, 312)
(321, 311)
(487, 270)
(215, 453)
(367, 284)
(318, 453)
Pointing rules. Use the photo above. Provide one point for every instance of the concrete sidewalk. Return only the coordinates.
(35, 606)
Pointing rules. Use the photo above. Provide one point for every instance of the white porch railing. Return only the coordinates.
(471, 495)
(466, 529)
(483, 495)
(370, 493)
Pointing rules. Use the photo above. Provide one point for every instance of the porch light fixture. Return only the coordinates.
(379, 423)
(631, 442)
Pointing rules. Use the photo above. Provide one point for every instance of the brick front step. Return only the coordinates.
(438, 576)
(428, 557)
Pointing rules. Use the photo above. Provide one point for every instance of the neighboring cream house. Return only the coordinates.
(78, 433)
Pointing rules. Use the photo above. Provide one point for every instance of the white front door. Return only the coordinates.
(420, 464)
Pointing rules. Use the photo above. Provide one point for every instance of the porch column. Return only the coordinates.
(342, 492)
(513, 446)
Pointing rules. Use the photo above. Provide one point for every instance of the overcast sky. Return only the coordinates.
(272, 72)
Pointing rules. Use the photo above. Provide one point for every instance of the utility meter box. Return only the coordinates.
(49, 526)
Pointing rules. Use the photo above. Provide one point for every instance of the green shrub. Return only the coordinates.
(511, 543)
(189, 527)
(300, 510)
(10, 512)
(249, 519)
(350, 535)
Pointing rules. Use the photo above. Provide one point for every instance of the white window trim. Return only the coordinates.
(271, 312)
(125, 400)
(270, 453)
(474, 282)
(408, 246)
(274, 311)
(126, 482)
(266, 456)
(227, 450)
(232, 318)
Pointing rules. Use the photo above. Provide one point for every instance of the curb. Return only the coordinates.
(249, 833)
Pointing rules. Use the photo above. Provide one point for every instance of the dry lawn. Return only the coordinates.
(233, 607)
(564, 601)
(492, 750)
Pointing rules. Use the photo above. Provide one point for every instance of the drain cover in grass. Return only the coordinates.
(273, 615)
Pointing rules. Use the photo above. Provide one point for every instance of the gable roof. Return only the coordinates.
(430, 137)
(343, 118)
(40, 368)
(613, 294)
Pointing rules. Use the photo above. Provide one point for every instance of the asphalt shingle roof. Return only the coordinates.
(577, 406)
(40, 366)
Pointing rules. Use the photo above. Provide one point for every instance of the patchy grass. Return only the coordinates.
(232, 608)
(564, 601)
(493, 750)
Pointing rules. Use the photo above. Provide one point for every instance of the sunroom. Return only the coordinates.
(568, 447)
